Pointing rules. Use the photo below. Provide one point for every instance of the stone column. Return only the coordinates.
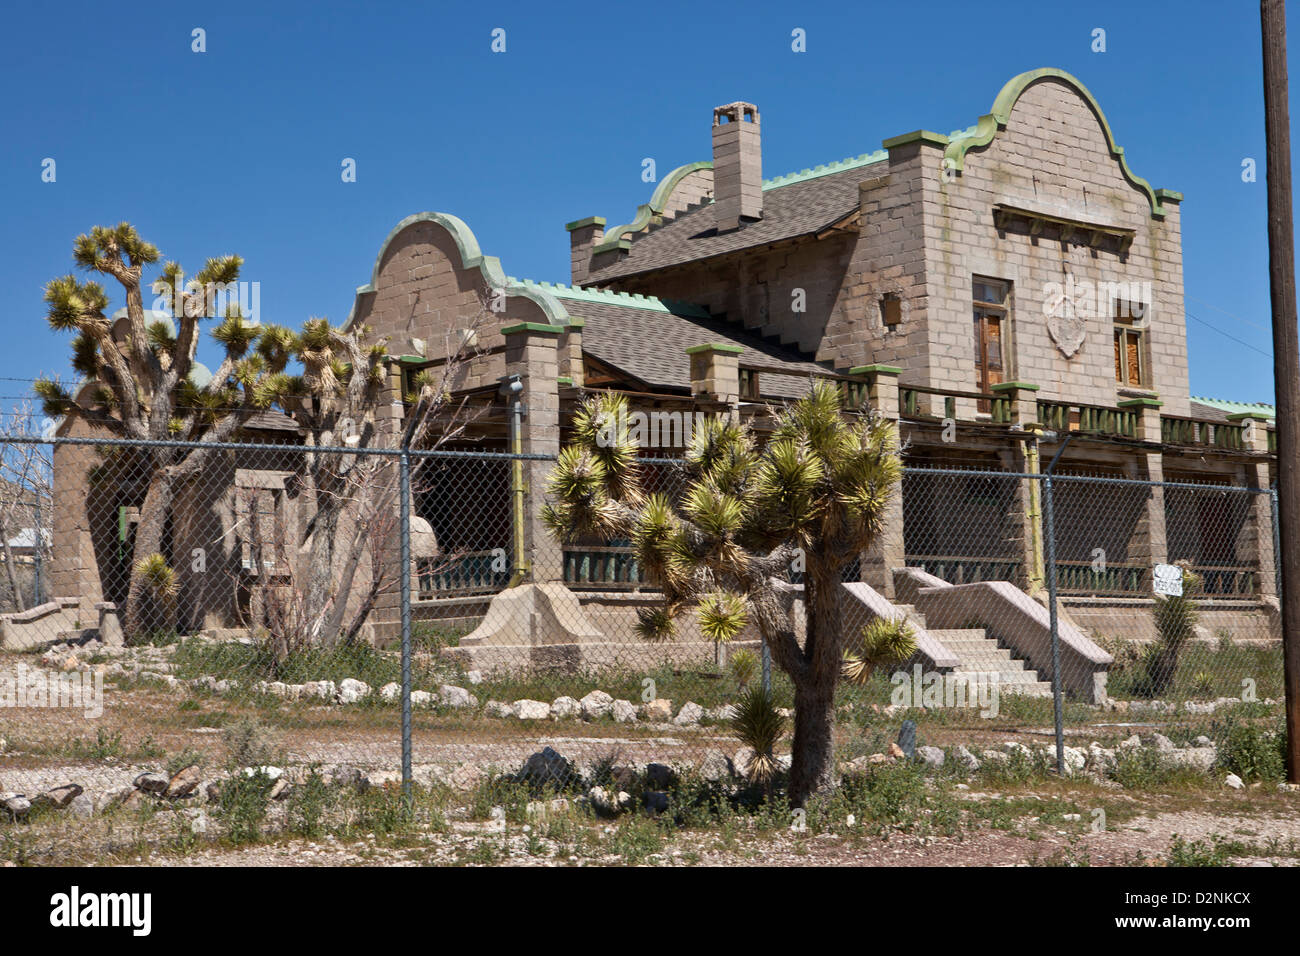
(1025, 522)
(886, 552)
(532, 353)
(1256, 540)
(715, 372)
(584, 235)
(1149, 543)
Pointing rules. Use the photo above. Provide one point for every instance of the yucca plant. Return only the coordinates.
(884, 642)
(1175, 620)
(744, 666)
(759, 726)
(817, 490)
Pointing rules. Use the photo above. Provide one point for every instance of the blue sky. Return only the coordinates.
(238, 149)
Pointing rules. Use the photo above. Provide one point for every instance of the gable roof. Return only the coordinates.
(646, 338)
(798, 205)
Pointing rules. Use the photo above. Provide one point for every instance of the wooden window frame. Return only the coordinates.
(982, 310)
(1130, 328)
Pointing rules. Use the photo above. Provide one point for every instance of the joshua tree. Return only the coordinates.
(143, 366)
(818, 487)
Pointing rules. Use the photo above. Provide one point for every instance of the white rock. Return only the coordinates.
(964, 758)
(564, 707)
(452, 696)
(474, 677)
(623, 712)
(930, 756)
(596, 704)
(352, 691)
(689, 715)
(1131, 742)
(391, 691)
(531, 709)
(496, 708)
(421, 698)
(1233, 781)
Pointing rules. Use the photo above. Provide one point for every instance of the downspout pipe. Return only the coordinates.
(513, 388)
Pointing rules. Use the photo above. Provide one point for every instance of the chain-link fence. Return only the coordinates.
(407, 615)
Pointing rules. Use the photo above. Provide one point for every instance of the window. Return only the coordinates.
(749, 384)
(891, 310)
(1130, 343)
(990, 314)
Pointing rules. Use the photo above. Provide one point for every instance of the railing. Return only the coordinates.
(956, 569)
(1228, 580)
(474, 572)
(910, 403)
(1199, 431)
(1115, 580)
(607, 567)
(1088, 419)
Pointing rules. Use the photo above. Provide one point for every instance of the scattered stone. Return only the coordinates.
(907, 738)
(391, 691)
(689, 715)
(623, 712)
(565, 707)
(1233, 781)
(609, 804)
(495, 708)
(184, 783)
(724, 713)
(58, 797)
(1162, 743)
(421, 698)
(877, 759)
(930, 756)
(1131, 742)
(213, 791)
(546, 766)
(1074, 759)
(279, 789)
(151, 782)
(660, 709)
(742, 760)
(474, 677)
(596, 704)
(458, 697)
(541, 809)
(896, 752)
(82, 806)
(1198, 758)
(531, 710)
(352, 691)
(16, 804)
(113, 798)
(267, 771)
(346, 775)
(714, 766)
(322, 689)
(199, 825)
(965, 759)
(1202, 741)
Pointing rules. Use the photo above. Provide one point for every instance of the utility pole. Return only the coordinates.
(1286, 355)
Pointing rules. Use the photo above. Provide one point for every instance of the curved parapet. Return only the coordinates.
(648, 212)
(991, 123)
(472, 257)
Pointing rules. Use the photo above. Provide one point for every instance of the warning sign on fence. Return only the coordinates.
(1168, 580)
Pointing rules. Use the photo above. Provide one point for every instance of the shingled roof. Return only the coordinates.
(646, 338)
(801, 204)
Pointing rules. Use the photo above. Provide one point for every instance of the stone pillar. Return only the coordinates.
(584, 236)
(1256, 541)
(715, 372)
(886, 552)
(571, 354)
(1149, 543)
(532, 353)
(1024, 539)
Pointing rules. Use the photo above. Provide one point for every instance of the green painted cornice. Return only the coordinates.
(995, 120)
(646, 212)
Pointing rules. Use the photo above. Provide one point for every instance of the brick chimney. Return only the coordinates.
(737, 165)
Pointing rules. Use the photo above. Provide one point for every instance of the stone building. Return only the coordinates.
(995, 290)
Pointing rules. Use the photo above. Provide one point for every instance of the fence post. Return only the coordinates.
(1049, 543)
(37, 541)
(404, 469)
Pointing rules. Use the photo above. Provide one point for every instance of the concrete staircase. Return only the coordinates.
(980, 654)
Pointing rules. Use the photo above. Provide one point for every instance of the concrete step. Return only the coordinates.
(946, 634)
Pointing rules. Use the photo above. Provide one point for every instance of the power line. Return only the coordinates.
(1229, 335)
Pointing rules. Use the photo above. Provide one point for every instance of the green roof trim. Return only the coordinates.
(714, 347)
(532, 327)
(995, 120)
(875, 370)
(916, 136)
(646, 212)
(589, 221)
(410, 359)
(1253, 416)
(827, 169)
(1226, 405)
(627, 300)
(1009, 386)
(1169, 195)
(577, 323)
(564, 380)
(471, 257)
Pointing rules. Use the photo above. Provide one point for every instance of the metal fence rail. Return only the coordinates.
(407, 613)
